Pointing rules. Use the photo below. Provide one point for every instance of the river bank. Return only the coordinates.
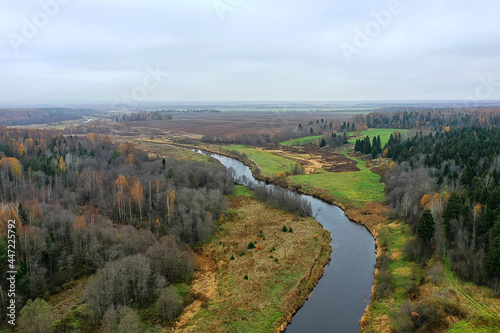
(258, 287)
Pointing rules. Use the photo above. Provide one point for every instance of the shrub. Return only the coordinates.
(385, 284)
(169, 304)
(251, 245)
(284, 229)
(36, 316)
(435, 273)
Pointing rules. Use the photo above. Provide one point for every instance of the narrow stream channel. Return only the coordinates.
(338, 301)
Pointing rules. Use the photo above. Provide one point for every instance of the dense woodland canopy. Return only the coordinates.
(10, 117)
(456, 174)
(87, 206)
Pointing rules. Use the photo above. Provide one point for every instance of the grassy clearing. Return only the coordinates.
(384, 133)
(302, 141)
(163, 149)
(268, 162)
(242, 191)
(348, 187)
(258, 289)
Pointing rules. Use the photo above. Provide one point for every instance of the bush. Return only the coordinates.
(169, 304)
(251, 245)
(402, 319)
(36, 317)
(284, 229)
(412, 250)
(435, 273)
(385, 284)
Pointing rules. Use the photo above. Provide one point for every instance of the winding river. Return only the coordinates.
(338, 301)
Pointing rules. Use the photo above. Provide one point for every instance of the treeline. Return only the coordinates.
(447, 186)
(433, 119)
(145, 116)
(156, 115)
(243, 139)
(11, 117)
(281, 198)
(86, 205)
(335, 134)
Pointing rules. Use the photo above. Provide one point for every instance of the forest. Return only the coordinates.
(10, 117)
(89, 208)
(447, 186)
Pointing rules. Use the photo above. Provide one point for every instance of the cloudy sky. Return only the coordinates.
(251, 50)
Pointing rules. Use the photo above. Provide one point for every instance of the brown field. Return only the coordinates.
(250, 290)
(231, 124)
(314, 158)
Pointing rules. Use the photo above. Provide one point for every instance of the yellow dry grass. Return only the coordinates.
(259, 290)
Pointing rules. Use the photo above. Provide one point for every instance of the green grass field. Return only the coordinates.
(359, 186)
(269, 163)
(384, 133)
(348, 187)
(302, 141)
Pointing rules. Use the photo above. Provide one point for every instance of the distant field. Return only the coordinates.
(337, 110)
(385, 134)
(232, 123)
(268, 162)
(302, 141)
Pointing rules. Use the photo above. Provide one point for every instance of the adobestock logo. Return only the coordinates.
(222, 7)
(151, 81)
(30, 28)
(484, 90)
(363, 37)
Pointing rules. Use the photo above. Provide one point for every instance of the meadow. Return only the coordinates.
(385, 134)
(258, 286)
(302, 141)
(268, 162)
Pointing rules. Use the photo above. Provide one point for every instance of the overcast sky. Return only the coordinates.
(251, 50)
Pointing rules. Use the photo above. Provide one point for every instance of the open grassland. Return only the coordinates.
(302, 141)
(347, 187)
(163, 149)
(268, 162)
(258, 289)
(385, 134)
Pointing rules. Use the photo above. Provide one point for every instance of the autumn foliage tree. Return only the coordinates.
(137, 194)
(121, 188)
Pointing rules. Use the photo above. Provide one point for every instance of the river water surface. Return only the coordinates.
(338, 301)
